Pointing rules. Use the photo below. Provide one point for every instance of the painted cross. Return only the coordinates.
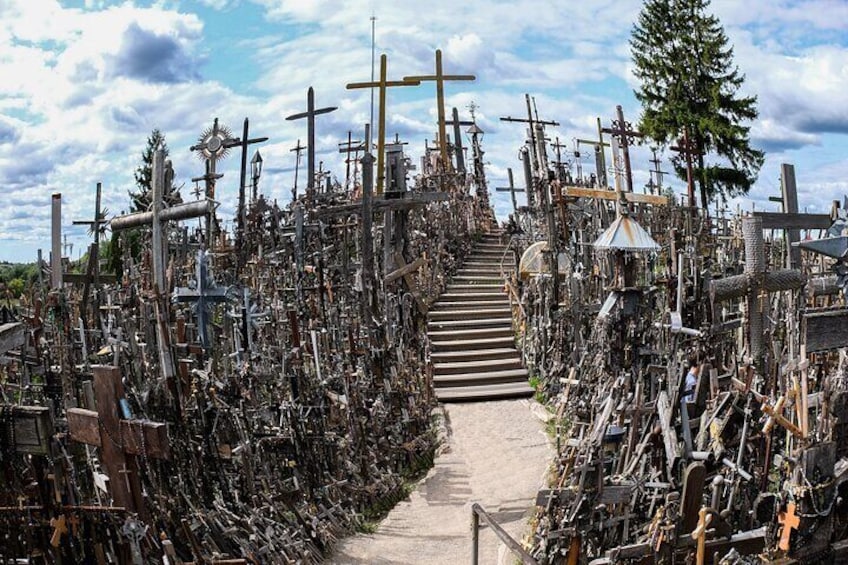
(439, 78)
(310, 114)
(202, 294)
(622, 132)
(790, 522)
(125, 438)
(382, 85)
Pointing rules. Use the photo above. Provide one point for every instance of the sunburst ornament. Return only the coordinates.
(215, 142)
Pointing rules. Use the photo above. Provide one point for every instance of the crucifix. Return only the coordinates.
(512, 189)
(126, 438)
(382, 85)
(687, 148)
(242, 208)
(310, 114)
(298, 150)
(203, 293)
(439, 78)
(625, 136)
(457, 138)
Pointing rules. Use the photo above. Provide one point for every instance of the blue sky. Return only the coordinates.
(85, 82)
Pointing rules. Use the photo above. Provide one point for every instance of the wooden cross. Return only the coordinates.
(457, 138)
(790, 522)
(202, 295)
(656, 173)
(687, 147)
(96, 227)
(600, 158)
(297, 149)
(753, 283)
(242, 208)
(700, 534)
(535, 128)
(124, 440)
(382, 85)
(439, 78)
(621, 131)
(310, 114)
(512, 189)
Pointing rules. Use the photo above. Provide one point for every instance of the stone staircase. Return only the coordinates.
(470, 330)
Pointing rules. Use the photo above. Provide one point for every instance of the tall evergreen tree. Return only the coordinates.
(689, 84)
(140, 201)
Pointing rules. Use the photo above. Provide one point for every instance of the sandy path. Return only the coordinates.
(497, 456)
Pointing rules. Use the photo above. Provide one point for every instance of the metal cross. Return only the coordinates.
(298, 149)
(347, 148)
(310, 114)
(621, 131)
(687, 148)
(439, 78)
(382, 85)
(512, 189)
(202, 295)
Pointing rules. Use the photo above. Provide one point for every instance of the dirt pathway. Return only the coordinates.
(496, 456)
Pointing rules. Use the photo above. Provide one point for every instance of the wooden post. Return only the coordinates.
(790, 206)
(56, 242)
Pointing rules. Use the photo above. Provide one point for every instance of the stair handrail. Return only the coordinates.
(478, 513)
(514, 300)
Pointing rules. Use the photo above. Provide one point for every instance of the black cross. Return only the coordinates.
(457, 138)
(297, 149)
(686, 147)
(512, 189)
(310, 114)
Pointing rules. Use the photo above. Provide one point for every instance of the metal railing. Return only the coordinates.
(477, 513)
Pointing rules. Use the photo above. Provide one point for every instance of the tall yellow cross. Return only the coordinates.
(439, 78)
(382, 84)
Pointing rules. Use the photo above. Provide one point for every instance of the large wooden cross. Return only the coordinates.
(242, 207)
(688, 149)
(439, 78)
(310, 114)
(92, 276)
(382, 85)
(120, 439)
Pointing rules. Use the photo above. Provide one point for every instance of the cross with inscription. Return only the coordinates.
(125, 438)
(439, 78)
(626, 136)
(382, 85)
(202, 294)
(310, 114)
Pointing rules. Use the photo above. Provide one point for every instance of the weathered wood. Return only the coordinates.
(404, 270)
(672, 450)
(12, 336)
(694, 478)
(600, 194)
(33, 429)
(826, 330)
(778, 221)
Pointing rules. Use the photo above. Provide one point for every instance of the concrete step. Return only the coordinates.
(472, 355)
(447, 343)
(479, 272)
(487, 264)
(443, 305)
(473, 297)
(487, 392)
(488, 253)
(518, 376)
(469, 314)
(464, 288)
(460, 367)
(473, 334)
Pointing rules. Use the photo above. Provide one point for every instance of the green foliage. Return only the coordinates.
(684, 64)
(140, 201)
(16, 277)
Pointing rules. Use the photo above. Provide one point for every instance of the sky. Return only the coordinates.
(84, 82)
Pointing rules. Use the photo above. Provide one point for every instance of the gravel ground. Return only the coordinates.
(496, 455)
